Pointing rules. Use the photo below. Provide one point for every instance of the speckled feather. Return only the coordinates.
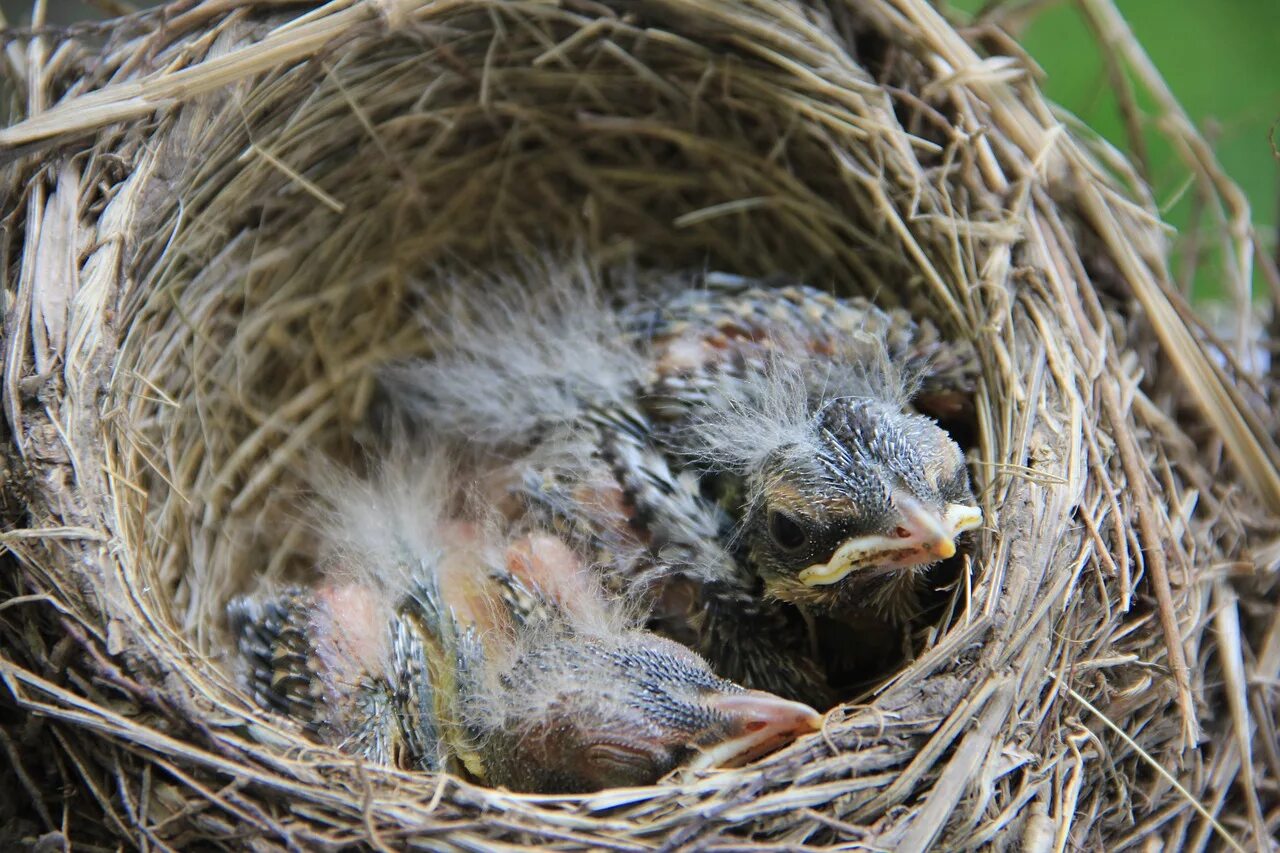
(543, 700)
(659, 533)
(706, 343)
(282, 645)
(624, 469)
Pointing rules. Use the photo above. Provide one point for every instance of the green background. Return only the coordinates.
(1221, 58)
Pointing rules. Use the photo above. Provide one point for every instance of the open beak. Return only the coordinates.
(923, 537)
(759, 724)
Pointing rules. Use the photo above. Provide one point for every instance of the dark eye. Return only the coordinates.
(786, 532)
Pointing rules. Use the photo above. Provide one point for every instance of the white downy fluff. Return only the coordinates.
(773, 410)
(417, 517)
(516, 352)
(387, 530)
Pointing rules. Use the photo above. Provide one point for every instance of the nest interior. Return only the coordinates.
(212, 218)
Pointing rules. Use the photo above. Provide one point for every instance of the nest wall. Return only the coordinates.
(213, 218)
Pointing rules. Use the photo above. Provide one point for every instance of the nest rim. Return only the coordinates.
(109, 334)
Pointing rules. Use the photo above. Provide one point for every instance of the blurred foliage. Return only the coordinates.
(1221, 59)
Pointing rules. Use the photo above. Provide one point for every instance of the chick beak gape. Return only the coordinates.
(759, 723)
(923, 536)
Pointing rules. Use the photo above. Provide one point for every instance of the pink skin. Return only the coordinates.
(684, 354)
(459, 535)
(462, 578)
(547, 562)
(764, 723)
(350, 618)
(350, 623)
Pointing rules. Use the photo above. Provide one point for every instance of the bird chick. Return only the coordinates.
(556, 691)
(718, 445)
(656, 537)
(843, 493)
(499, 656)
(546, 380)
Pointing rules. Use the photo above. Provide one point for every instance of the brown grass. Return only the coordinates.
(210, 215)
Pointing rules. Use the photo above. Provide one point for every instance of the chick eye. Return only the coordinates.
(615, 757)
(786, 532)
(901, 532)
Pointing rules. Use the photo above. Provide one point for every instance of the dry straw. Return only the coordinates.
(211, 211)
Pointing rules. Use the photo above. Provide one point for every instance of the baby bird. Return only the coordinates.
(541, 383)
(502, 658)
(726, 449)
(555, 691)
(843, 492)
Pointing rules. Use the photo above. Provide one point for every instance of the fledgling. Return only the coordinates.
(502, 657)
(546, 379)
(604, 486)
(843, 493)
(558, 691)
(665, 430)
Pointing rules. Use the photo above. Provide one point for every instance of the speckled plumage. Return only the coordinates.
(293, 662)
(713, 405)
(555, 690)
(706, 345)
(796, 402)
(450, 644)
(612, 491)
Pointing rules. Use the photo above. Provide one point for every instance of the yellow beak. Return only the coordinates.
(929, 538)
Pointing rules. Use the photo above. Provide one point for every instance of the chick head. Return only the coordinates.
(576, 713)
(870, 489)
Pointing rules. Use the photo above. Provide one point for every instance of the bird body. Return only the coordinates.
(555, 704)
(499, 656)
(801, 401)
(738, 455)
(707, 345)
(334, 660)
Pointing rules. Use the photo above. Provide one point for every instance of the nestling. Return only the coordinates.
(501, 656)
(804, 400)
(557, 691)
(723, 448)
(545, 380)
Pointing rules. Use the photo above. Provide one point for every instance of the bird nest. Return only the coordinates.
(212, 216)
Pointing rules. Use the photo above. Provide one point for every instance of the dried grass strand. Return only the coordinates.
(216, 221)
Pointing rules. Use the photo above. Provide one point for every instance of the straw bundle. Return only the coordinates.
(211, 214)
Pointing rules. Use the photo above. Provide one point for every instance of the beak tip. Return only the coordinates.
(762, 723)
(760, 706)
